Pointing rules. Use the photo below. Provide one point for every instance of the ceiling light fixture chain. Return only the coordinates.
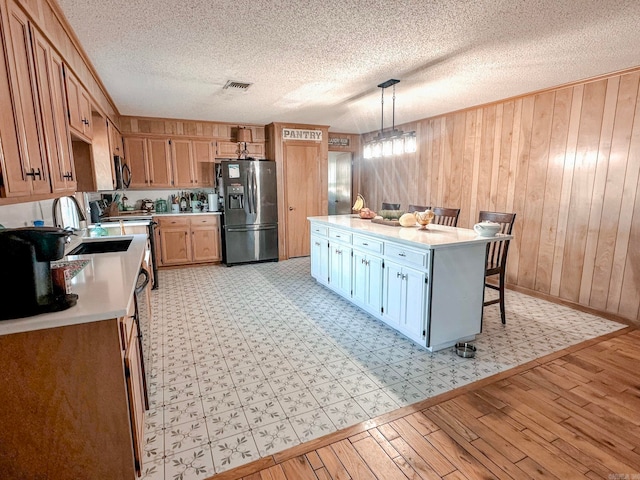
(393, 142)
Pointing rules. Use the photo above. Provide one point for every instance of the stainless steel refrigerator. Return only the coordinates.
(250, 200)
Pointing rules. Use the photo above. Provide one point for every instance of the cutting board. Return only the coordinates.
(391, 223)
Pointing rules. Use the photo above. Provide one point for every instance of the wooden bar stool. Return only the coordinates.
(497, 256)
(418, 208)
(445, 216)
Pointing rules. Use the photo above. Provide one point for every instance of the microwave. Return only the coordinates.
(123, 173)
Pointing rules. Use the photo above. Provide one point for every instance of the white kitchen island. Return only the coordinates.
(427, 284)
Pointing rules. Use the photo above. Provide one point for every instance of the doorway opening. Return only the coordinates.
(339, 184)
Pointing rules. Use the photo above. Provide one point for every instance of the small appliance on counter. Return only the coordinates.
(27, 288)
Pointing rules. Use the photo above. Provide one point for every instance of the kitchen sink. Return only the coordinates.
(101, 246)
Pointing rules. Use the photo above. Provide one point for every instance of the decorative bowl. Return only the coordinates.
(424, 218)
(391, 214)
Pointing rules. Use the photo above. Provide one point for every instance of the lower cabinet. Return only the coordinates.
(320, 259)
(188, 239)
(69, 408)
(404, 300)
(367, 281)
(340, 268)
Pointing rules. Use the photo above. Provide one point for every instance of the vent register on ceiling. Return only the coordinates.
(390, 142)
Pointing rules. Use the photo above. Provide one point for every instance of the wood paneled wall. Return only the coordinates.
(566, 160)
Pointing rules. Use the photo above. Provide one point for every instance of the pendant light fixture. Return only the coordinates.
(390, 142)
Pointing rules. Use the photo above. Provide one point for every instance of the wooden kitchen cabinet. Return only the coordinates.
(204, 151)
(188, 239)
(185, 172)
(230, 150)
(50, 80)
(79, 105)
(26, 173)
(150, 162)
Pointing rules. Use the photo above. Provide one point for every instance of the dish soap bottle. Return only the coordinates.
(99, 231)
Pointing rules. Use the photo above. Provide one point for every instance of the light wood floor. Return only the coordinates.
(573, 414)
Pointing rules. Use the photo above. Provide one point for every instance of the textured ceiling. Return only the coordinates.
(319, 62)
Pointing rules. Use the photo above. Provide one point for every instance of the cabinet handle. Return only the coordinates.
(363, 261)
(337, 236)
(402, 254)
(365, 244)
(318, 244)
(398, 275)
(67, 176)
(339, 252)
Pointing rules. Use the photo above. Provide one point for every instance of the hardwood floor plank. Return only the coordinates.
(455, 417)
(388, 431)
(333, 464)
(314, 460)
(496, 453)
(534, 470)
(414, 461)
(323, 474)
(425, 449)
(297, 468)
(358, 437)
(466, 463)
(608, 404)
(254, 476)
(473, 404)
(378, 460)
(455, 476)
(273, 473)
(584, 458)
(352, 462)
(384, 443)
(421, 423)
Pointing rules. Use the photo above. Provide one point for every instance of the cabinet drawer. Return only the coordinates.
(318, 230)
(366, 243)
(204, 220)
(340, 235)
(406, 255)
(173, 221)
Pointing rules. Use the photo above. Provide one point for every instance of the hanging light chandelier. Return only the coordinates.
(390, 142)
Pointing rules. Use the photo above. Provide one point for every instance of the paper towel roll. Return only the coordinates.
(213, 202)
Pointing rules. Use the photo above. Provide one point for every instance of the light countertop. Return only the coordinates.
(104, 287)
(433, 237)
(132, 217)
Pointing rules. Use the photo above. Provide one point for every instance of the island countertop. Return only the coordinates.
(104, 287)
(433, 237)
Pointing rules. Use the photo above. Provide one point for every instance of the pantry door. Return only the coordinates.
(303, 198)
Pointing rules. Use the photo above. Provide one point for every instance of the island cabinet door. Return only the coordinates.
(340, 269)
(392, 301)
(367, 282)
(320, 259)
(404, 300)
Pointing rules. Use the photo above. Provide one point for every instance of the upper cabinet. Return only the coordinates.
(231, 150)
(160, 162)
(79, 106)
(27, 173)
(50, 81)
(150, 162)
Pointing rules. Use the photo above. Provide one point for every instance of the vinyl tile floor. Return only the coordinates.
(246, 361)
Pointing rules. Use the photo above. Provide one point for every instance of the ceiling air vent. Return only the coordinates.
(236, 85)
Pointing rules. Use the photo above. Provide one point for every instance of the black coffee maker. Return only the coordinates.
(26, 287)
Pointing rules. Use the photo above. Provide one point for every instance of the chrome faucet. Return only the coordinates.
(81, 215)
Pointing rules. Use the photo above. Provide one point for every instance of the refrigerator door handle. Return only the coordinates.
(249, 185)
(254, 189)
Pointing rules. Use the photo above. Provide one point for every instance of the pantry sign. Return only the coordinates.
(301, 134)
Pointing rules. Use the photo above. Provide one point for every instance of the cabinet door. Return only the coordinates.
(255, 150)
(12, 169)
(76, 103)
(34, 173)
(412, 318)
(227, 150)
(392, 294)
(373, 292)
(359, 281)
(175, 240)
(183, 164)
(159, 160)
(205, 238)
(85, 112)
(54, 128)
(135, 391)
(204, 151)
(340, 269)
(136, 152)
(320, 259)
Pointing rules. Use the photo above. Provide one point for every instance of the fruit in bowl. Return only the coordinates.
(366, 213)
